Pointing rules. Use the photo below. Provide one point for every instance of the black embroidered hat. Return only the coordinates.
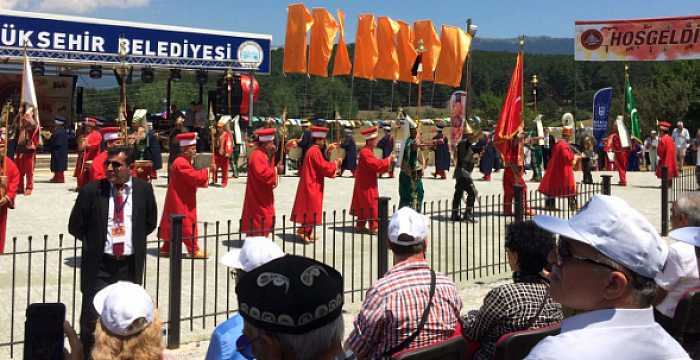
(291, 294)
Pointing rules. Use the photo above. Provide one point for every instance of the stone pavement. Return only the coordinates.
(46, 212)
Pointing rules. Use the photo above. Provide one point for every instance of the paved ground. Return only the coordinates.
(207, 287)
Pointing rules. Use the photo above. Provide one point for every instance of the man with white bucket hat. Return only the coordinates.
(604, 266)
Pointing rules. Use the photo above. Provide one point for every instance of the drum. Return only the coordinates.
(378, 153)
(143, 169)
(295, 153)
(202, 161)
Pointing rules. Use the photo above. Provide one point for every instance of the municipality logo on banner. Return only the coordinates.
(601, 109)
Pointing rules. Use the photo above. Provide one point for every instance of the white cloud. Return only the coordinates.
(85, 6)
(9, 4)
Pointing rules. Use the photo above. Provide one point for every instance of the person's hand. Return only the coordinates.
(392, 158)
(212, 168)
(4, 201)
(76, 347)
(338, 162)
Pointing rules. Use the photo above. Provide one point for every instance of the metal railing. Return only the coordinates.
(195, 295)
(677, 187)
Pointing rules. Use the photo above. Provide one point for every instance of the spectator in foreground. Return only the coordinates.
(690, 236)
(393, 315)
(524, 304)
(605, 263)
(681, 270)
(129, 327)
(255, 252)
(292, 309)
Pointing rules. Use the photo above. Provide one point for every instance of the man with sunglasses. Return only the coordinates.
(112, 218)
(112, 137)
(603, 267)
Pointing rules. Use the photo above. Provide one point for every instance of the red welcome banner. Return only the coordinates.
(662, 39)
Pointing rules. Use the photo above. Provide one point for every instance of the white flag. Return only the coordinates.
(28, 91)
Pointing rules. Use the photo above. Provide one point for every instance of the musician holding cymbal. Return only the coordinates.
(259, 203)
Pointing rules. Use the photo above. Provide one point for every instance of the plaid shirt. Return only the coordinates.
(394, 306)
(509, 308)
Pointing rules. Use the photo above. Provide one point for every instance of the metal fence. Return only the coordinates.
(199, 294)
(685, 183)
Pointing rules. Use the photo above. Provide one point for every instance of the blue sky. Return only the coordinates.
(495, 18)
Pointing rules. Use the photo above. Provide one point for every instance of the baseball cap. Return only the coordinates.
(256, 251)
(615, 229)
(408, 221)
(120, 305)
(690, 235)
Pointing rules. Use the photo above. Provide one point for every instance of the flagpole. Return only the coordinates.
(468, 85)
(624, 91)
(522, 82)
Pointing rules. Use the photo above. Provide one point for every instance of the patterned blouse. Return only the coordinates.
(508, 308)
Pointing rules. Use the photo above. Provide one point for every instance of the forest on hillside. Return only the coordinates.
(663, 90)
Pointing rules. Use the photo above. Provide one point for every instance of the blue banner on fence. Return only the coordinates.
(68, 39)
(601, 109)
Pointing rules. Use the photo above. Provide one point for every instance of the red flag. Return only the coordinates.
(511, 120)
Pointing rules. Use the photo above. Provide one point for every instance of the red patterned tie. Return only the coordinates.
(118, 248)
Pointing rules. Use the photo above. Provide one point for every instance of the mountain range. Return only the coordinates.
(534, 45)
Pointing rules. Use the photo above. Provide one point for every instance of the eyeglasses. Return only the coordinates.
(115, 164)
(563, 253)
(244, 346)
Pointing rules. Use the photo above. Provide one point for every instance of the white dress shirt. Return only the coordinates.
(613, 334)
(126, 195)
(680, 274)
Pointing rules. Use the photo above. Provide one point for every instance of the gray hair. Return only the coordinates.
(689, 207)
(310, 345)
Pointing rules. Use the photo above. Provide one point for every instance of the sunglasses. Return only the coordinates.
(115, 164)
(563, 253)
(244, 346)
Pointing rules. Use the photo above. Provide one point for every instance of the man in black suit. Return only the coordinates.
(112, 218)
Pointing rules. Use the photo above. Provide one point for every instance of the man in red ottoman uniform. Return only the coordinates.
(259, 203)
(89, 147)
(621, 155)
(366, 193)
(112, 138)
(181, 197)
(558, 180)
(224, 151)
(308, 204)
(666, 152)
(27, 144)
(514, 169)
(7, 201)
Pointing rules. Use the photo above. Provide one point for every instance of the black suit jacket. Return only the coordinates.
(88, 223)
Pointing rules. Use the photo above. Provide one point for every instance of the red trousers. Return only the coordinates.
(621, 165)
(509, 181)
(221, 163)
(25, 165)
(58, 177)
(3, 226)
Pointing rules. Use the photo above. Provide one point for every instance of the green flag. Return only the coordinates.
(631, 108)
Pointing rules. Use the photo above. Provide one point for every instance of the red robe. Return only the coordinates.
(92, 148)
(559, 179)
(12, 185)
(621, 156)
(667, 156)
(97, 169)
(222, 156)
(308, 204)
(366, 193)
(259, 202)
(181, 198)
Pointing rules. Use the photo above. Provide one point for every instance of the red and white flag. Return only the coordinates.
(28, 101)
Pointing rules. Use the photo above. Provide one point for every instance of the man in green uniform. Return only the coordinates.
(410, 179)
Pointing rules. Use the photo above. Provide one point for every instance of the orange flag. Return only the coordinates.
(387, 66)
(455, 48)
(407, 53)
(341, 64)
(366, 52)
(323, 33)
(299, 22)
(424, 30)
(511, 119)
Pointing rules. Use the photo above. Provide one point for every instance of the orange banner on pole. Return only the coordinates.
(299, 22)
(455, 48)
(510, 122)
(387, 67)
(424, 30)
(407, 53)
(366, 52)
(341, 64)
(323, 33)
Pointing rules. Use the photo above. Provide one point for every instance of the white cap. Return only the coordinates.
(690, 235)
(256, 251)
(120, 305)
(615, 229)
(408, 221)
